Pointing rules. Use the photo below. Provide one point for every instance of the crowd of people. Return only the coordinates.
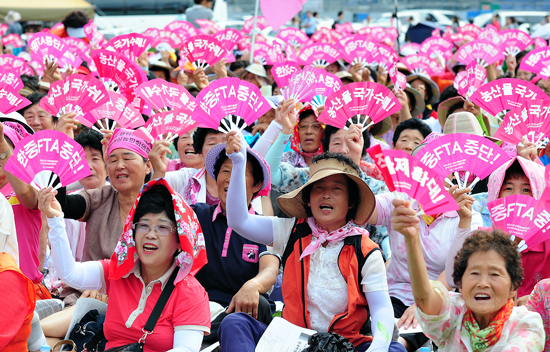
(181, 235)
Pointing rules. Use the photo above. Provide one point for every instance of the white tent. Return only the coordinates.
(41, 10)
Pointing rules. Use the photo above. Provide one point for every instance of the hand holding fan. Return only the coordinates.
(363, 98)
(283, 71)
(531, 120)
(437, 47)
(398, 79)
(325, 84)
(537, 61)
(46, 157)
(164, 96)
(505, 94)
(10, 100)
(410, 176)
(300, 85)
(131, 45)
(318, 54)
(514, 41)
(77, 93)
(474, 78)
(203, 50)
(423, 65)
(482, 51)
(514, 214)
(293, 36)
(229, 104)
(169, 125)
(456, 152)
(116, 111)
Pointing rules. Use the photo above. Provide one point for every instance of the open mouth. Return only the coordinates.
(149, 248)
(482, 297)
(325, 207)
(122, 177)
(190, 152)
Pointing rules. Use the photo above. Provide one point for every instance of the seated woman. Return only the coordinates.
(518, 176)
(161, 235)
(333, 271)
(239, 271)
(539, 301)
(305, 142)
(482, 317)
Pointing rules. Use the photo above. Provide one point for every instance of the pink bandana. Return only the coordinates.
(134, 141)
(14, 131)
(320, 236)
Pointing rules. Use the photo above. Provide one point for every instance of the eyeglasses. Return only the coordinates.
(315, 127)
(142, 229)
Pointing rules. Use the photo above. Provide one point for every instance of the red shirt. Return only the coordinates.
(536, 267)
(187, 307)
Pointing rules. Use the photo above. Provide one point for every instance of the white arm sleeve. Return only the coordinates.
(382, 324)
(267, 139)
(81, 276)
(187, 341)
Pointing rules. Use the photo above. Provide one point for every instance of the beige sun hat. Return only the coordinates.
(293, 205)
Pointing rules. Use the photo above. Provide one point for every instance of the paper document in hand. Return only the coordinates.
(283, 336)
(410, 330)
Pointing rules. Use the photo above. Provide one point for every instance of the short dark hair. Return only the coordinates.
(455, 107)
(237, 65)
(340, 13)
(90, 139)
(30, 82)
(447, 93)
(411, 124)
(330, 130)
(200, 136)
(257, 172)
(75, 19)
(34, 98)
(155, 200)
(354, 198)
(482, 241)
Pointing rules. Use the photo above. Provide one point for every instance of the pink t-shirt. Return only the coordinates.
(27, 224)
(187, 307)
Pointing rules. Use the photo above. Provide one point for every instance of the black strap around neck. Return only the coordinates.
(163, 299)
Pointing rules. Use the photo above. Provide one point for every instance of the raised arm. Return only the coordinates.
(81, 276)
(253, 227)
(405, 221)
(266, 140)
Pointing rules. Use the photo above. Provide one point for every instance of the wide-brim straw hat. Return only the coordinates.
(419, 103)
(444, 106)
(381, 127)
(431, 84)
(465, 122)
(17, 118)
(293, 205)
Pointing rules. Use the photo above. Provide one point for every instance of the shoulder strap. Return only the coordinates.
(301, 229)
(163, 299)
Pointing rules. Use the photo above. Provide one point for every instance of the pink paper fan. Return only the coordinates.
(117, 111)
(398, 79)
(229, 38)
(261, 24)
(423, 65)
(490, 33)
(505, 94)
(325, 83)
(170, 37)
(162, 96)
(470, 30)
(513, 214)
(275, 54)
(10, 100)
(10, 60)
(293, 36)
(411, 47)
(540, 42)
(38, 157)
(153, 34)
(359, 50)
(345, 28)
(436, 32)
(3, 29)
(318, 55)
(203, 50)
(171, 124)
(537, 61)
(283, 71)
(544, 201)
(78, 46)
(514, 41)
(385, 56)
(322, 36)
(184, 26)
(335, 36)
(13, 40)
(437, 47)
(46, 47)
(482, 51)
(474, 78)
(208, 27)
(460, 83)
(463, 152)
(223, 99)
(77, 93)
(300, 85)
(124, 73)
(363, 98)
(456, 38)
(377, 155)
(131, 45)
(94, 36)
(10, 76)
(410, 176)
(531, 119)
(541, 231)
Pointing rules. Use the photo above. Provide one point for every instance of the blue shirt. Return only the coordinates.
(545, 160)
(227, 270)
(311, 29)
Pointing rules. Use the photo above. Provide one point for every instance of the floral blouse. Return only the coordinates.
(539, 302)
(522, 332)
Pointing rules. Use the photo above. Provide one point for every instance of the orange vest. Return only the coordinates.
(19, 342)
(295, 279)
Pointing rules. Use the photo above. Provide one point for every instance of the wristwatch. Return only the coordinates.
(4, 155)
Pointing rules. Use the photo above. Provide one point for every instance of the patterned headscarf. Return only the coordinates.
(533, 171)
(193, 252)
(295, 138)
